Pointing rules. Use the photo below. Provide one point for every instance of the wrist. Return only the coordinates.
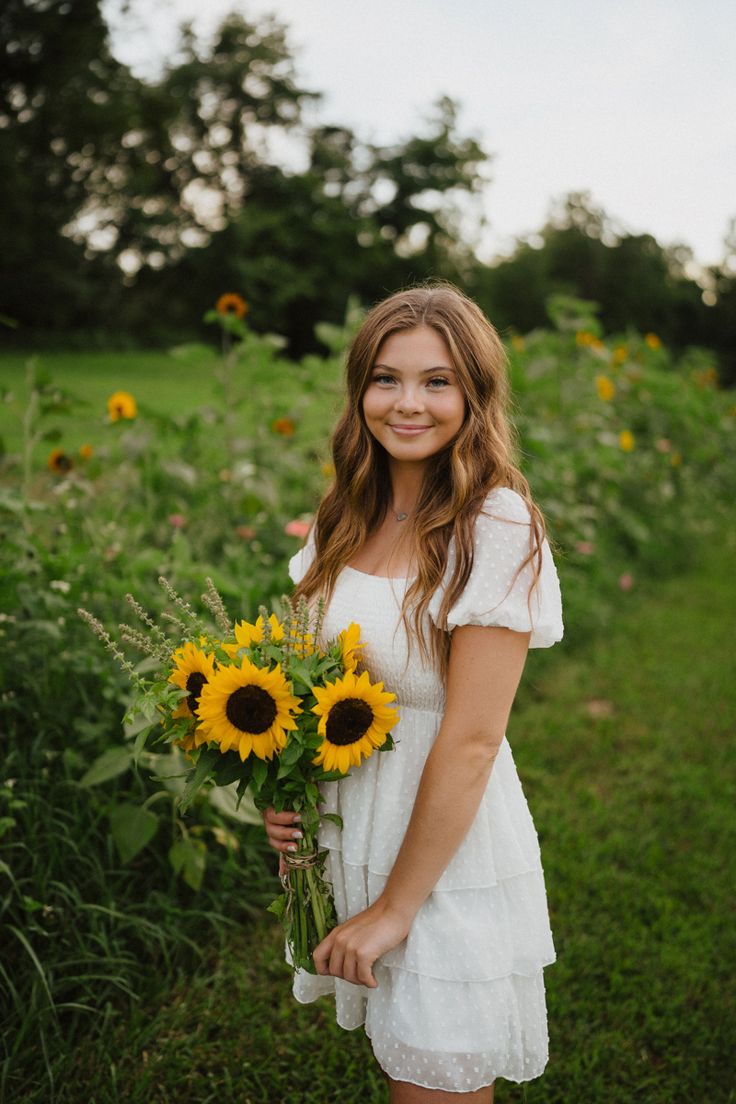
(398, 909)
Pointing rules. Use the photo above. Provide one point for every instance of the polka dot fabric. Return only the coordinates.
(461, 1000)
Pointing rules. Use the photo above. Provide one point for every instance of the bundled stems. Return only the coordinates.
(309, 914)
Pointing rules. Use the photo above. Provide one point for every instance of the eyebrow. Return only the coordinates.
(439, 368)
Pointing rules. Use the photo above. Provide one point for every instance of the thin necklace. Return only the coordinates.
(399, 517)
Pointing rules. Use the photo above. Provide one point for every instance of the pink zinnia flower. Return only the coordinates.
(297, 528)
(587, 548)
(626, 581)
(177, 521)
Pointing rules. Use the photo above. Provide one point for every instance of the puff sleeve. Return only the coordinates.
(301, 561)
(501, 546)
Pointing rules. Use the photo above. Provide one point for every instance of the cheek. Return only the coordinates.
(371, 405)
(456, 410)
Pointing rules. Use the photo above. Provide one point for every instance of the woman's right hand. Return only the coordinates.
(283, 832)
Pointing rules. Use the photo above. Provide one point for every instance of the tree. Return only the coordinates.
(359, 220)
(64, 108)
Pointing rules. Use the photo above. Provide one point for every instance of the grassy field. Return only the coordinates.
(626, 755)
(165, 383)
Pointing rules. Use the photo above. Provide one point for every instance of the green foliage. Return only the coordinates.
(102, 880)
(631, 783)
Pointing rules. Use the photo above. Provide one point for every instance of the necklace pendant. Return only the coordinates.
(401, 517)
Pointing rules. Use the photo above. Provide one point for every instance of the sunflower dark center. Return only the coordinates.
(251, 709)
(62, 463)
(348, 722)
(120, 409)
(195, 682)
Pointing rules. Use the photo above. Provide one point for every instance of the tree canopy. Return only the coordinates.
(128, 205)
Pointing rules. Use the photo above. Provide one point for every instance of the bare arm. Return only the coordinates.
(485, 668)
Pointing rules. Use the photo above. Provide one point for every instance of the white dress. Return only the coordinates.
(461, 1000)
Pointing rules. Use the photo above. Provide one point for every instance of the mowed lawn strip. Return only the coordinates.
(168, 384)
(626, 756)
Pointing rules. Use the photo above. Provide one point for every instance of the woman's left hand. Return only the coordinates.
(350, 949)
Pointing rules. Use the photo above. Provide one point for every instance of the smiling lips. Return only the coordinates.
(409, 430)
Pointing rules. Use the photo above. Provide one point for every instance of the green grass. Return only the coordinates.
(635, 815)
(163, 383)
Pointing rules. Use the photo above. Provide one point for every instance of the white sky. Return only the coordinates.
(633, 100)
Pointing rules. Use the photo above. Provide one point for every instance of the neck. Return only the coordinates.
(406, 486)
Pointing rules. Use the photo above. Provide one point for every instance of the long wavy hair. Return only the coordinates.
(457, 479)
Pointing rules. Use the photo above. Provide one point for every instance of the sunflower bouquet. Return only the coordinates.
(265, 707)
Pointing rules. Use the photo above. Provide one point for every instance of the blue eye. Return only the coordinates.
(442, 380)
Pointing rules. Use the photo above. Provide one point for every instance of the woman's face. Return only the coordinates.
(413, 404)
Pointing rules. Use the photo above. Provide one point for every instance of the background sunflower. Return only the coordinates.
(121, 404)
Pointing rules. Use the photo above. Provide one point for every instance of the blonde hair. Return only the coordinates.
(457, 479)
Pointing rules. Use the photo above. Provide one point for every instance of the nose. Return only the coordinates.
(409, 400)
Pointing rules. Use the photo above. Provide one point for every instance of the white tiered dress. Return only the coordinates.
(461, 1000)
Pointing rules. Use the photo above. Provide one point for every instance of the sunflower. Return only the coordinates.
(121, 404)
(232, 303)
(354, 720)
(350, 642)
(86, 452)
(194, 669)
(59, 462)
(247, 634)
(248, 709)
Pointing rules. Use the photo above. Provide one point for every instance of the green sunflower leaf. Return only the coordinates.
(260, 772)
(132, 828)
(188, 857)
(109, 765)
(204, 768)
(229, 770)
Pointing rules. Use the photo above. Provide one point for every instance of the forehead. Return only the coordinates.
(421, 346)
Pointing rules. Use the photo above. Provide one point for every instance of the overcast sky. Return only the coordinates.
(633, 100)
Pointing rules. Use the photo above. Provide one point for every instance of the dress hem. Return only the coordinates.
(543, 965)
(444, 1088)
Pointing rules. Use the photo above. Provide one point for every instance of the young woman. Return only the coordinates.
(429, 539)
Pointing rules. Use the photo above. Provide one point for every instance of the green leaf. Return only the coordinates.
(205, 765)
(144, 718)
(132, 828)
(260, 773)
(109, 765)
(140, 741)
(313, 793)
(189, 858)
(292, 752)
(330, 776)
(299, 672)
(231, 769)
(278, 907)
(334, 817)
